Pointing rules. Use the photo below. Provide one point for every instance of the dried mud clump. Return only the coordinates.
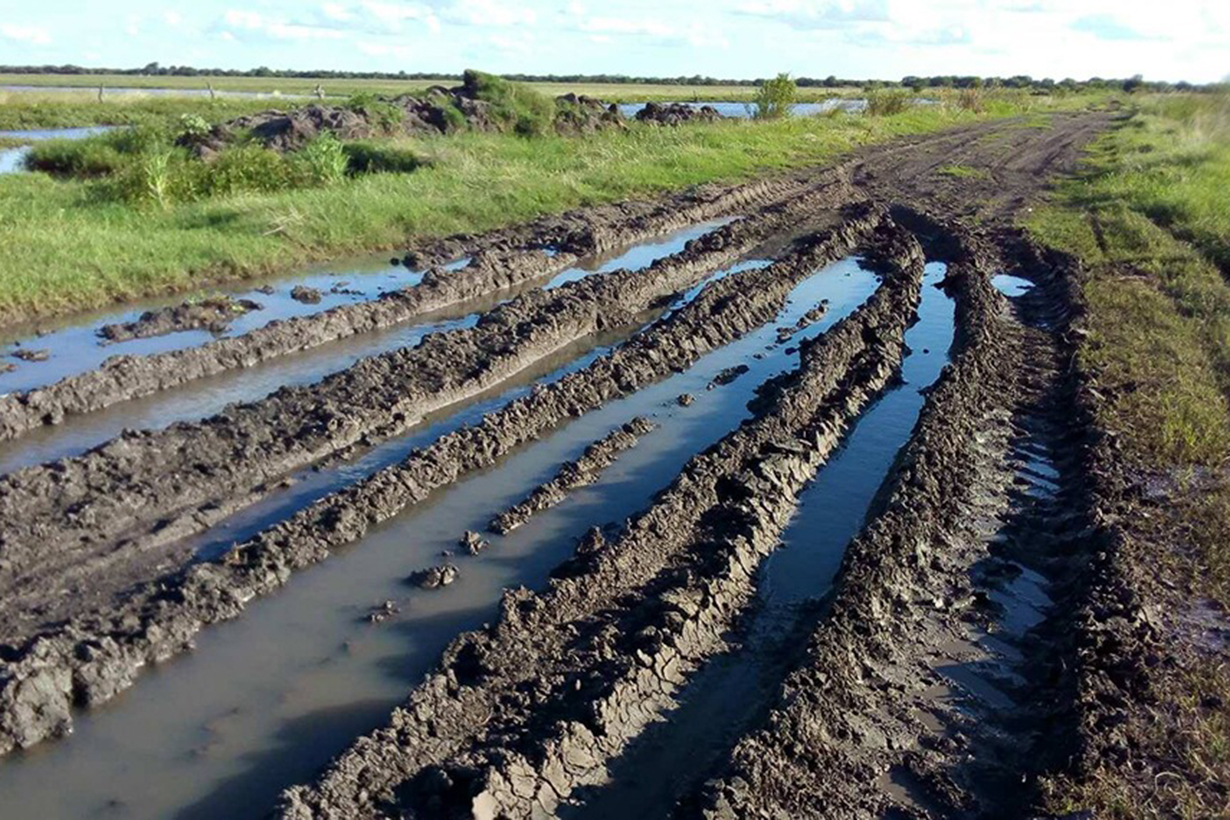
(214, 314)
(306, 295)
(677, 114)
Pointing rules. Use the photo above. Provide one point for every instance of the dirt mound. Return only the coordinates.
(579, 114)
(214, 314)
(439, 111)
(677, 114)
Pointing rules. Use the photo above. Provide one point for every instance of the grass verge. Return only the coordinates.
(1151, 223)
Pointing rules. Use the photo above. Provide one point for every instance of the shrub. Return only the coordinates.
(246, 168)
(90, 157)
(364, 157)
(885, 103)
(775, 98)
(323, 161)
(193, 126)
(512, 105)
(971, 99)
(454, 119)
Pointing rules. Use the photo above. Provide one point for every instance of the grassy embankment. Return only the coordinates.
(68, 243)
(1150, 218)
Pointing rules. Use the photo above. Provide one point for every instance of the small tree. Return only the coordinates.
(775, 98)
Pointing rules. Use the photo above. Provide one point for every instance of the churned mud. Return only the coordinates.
(747, 531)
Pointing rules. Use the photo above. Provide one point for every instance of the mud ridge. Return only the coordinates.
(94, 655)
(522, 713)
(214, 314)
(574, 474)
(918, 590)
(504, 259)
(147, 489)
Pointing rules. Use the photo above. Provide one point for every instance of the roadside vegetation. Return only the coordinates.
(69, 243)
(1150, 220)
(775, 98)
(22, 111)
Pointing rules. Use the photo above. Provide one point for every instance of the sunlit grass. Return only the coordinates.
(62, 248)
(1150, 219)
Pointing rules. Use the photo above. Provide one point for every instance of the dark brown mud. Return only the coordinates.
(214, 314)
(522, 713)
(917, 670)
(147, 489)
(585, 470)
(501, 260)
(158, 620)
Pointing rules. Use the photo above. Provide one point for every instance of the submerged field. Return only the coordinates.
(870, 462)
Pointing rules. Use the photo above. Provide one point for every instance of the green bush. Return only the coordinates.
(512, 105)
(885, 103)
(85, 158)
(775, 98)
(323, 161)
(244, 168)
(366, 157)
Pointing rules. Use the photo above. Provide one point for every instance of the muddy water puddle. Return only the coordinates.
(73, 345)
(743, 110)
(725, 698)
(204, 397)
(12, 160)
(269, 698)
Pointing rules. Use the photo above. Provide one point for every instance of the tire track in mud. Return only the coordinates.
(923, 691)
(149, 489)
(500, 261)
(560, 654)
(585, 470)
(92, 657)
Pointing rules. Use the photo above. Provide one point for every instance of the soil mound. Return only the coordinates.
(677, 114)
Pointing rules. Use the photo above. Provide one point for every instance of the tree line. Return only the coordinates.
(1022, 81)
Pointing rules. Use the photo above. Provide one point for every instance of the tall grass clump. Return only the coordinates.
(323, 161)
(372, 157)
(971, 99)
(887, 102)
(512, 105)
(775, 98)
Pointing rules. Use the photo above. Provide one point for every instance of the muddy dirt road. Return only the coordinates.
(788, 485)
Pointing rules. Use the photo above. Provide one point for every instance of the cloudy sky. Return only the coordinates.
(887, 39)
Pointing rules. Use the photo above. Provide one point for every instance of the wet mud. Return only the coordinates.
(937, 663)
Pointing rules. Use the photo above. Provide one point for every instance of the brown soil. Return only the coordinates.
(981, 634)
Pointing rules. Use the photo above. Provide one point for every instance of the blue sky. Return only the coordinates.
(1178, 39)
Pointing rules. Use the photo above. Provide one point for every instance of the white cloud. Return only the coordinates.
(250, 24)
(173, 18)
(488, 13)
(32, 35)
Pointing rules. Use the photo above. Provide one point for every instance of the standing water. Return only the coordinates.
(76, 349)
(267, 699)
(12, 160)
(723, 700)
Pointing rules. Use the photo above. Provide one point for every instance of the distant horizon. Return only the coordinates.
(1187, 41)
(614, 78)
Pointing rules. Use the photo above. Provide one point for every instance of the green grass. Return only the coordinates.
(965, 172)
(1150, 219)
(21, 111)
(61, 248)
